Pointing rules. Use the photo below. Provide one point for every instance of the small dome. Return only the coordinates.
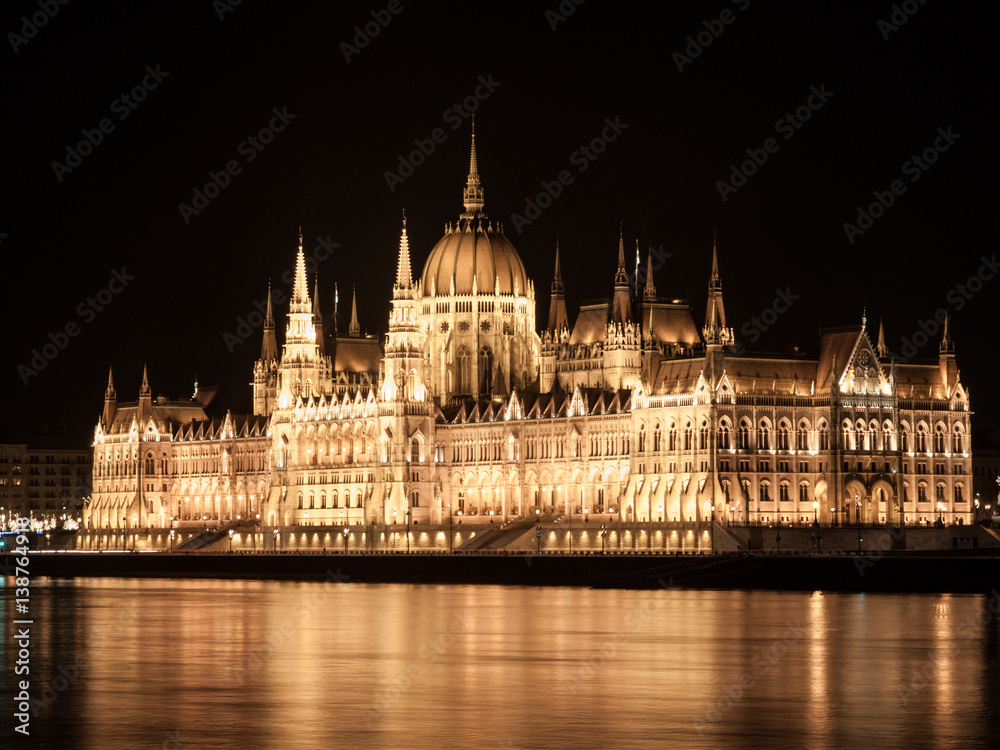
(472, 247)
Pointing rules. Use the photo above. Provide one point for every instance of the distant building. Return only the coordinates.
(985, 470)
(465, 411)
(44, 479)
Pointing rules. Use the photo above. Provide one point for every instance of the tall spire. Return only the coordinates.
(947, 346)
(355, 330)
(300, 290)
(557, 280)
(621, 275)
(880, 348)
(557, 302)
(144, 388)
(269, 344)
(649, 292)
(110, 402)
(714, 282)
(621, 304)
(404, 276)
(473, 194)
(715, 330)
(269, 318)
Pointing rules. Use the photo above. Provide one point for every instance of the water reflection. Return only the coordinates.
(159, 663)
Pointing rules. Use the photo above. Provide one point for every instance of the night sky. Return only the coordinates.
(865, 97)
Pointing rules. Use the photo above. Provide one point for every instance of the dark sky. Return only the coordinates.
(66, 233)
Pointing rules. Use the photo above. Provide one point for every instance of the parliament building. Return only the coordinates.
(466, 412)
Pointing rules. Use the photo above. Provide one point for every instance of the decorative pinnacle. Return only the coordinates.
(404, 277)
(355, 327)
(649, 292)
(300, 291)
(473, 194)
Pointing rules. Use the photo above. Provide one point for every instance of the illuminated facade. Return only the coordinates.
(464, 411)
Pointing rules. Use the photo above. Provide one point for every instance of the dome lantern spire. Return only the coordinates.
(473, 194)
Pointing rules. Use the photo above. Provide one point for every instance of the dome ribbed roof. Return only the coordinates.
(472, 248)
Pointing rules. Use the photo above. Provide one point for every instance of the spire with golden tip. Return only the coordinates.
(880, 348)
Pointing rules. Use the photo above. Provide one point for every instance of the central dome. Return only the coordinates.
(471, 252)
(471, 248)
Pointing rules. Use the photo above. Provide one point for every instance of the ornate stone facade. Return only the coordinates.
(464, 411)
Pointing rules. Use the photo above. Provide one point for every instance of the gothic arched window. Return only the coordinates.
(464, 370)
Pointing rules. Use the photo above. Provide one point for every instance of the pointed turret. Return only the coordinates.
(300, 290)
(110, 402)
(715, 330)
(947, 346)
(621, 304)
(404, 276)
(947, 364)
(269, 344)
(145, 410)
(649, 291)
(557, 304)
(473, 195)
(621, 275)
(355, 328)
(880, 348)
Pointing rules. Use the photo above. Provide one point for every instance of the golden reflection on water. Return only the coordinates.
(279, 664)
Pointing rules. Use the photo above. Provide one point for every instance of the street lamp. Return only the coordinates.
(815, 513)
(408, 528)
(833, 510)
(858, 503)
(451, 528)
(173, 534)
(585, 515)
(604, 533)
(491, 519)
(940, 514)
(277, 539)
(347, 532)
(231, 532)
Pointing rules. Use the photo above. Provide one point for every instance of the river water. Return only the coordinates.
(125, 663)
